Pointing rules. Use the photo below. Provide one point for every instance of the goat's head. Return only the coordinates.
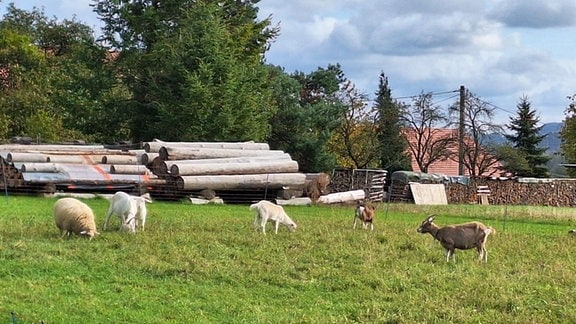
(427, 225)
(291, 226)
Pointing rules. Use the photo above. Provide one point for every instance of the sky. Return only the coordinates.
(499, 50)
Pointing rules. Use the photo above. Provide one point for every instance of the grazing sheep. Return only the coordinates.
(462, 236)
(73, 216)
(364, 213)
(267, 211)
(130, 209)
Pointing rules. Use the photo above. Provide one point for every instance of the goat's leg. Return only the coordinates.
(371, 226)
(355, 220)
(483, 254)
(143, 220)
(108, 214)
(263, 225)
(450, 253)
(276, 227)
(255, 224)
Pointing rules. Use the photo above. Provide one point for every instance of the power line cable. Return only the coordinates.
(430, 93)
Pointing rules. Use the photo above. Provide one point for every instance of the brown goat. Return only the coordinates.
(462, 236)
(364, 213)
(317, 187)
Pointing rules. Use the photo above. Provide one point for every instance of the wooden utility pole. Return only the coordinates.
(461, 130)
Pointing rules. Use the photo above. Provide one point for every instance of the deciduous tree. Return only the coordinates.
(429, 140)
(568, 134)
(309, 112)
(479, 155)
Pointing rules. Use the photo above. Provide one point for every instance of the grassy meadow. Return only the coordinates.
(206, 264)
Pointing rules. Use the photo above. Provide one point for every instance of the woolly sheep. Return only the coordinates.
(130, 209)
(73, 216)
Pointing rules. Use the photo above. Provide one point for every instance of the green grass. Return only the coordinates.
(206, 264)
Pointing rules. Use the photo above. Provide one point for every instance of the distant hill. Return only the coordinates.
(551, 142)
(552, 139)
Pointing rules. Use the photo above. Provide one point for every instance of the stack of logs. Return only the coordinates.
(372, 181)
(222, 166)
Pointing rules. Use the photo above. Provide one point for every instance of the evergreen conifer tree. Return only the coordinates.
(526, 139)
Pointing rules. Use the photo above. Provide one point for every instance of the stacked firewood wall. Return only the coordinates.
(9, 175)
(542, 192)
(372, 181)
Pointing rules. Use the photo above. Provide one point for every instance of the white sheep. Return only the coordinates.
(73, 216)
(268, 211)
(130, 209)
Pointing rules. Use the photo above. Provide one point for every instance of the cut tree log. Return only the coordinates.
(254, 167)
(40, 167)
(26, 157)
(154, 146)
(244, 181)
(148, 158)
(128, 169)
(243, 159)
(341, 197)
(183, 153)
(120, 159)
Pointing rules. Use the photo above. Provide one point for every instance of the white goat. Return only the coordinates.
(462, 236)
(365, 214)
(130, 209)
(267, 211)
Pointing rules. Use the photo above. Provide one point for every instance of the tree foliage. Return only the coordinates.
(525, 138)
(392, 142)
(55, 72)
(568, 134)
(309, 112)
(354, 141)
(194, 68)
